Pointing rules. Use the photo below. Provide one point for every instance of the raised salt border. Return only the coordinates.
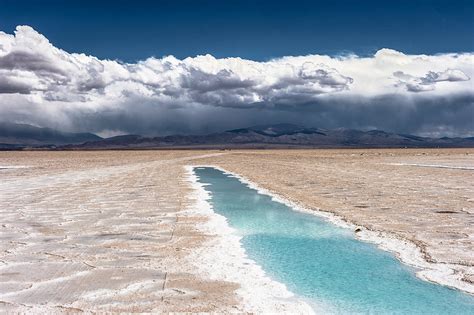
(6, 167)
(404, 250)
(223, 258)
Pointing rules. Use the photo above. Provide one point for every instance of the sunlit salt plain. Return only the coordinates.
(132, 231)
(321, 262)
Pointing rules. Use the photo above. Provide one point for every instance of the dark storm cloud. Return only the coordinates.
(20, 60)
(423, 115)
(9, 85)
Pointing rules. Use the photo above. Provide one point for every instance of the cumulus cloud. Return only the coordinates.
(428, 82)
(451, 75)
(12, 84)
(44, 85)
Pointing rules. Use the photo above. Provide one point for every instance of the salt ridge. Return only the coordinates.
(404, 250)
(224, 259)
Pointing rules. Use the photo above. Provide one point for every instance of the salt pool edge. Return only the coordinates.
(403, 249)
(258, 292)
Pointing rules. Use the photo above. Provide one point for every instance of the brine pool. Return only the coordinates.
(323, 263)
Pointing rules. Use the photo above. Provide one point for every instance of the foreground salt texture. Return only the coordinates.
(417, 203)
(101, 232)
(117, 231)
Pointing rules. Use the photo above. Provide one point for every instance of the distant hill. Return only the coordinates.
(276, 136)
(23, 135)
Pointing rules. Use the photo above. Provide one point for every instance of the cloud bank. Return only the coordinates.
(43, 85)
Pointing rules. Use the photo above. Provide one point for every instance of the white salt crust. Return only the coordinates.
(6, 167)
(224, 259)
(404, 250)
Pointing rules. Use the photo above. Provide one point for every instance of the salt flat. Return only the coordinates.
(112, 231)
(100, 232)
(425, 196)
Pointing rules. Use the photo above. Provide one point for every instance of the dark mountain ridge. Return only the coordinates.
(278, 136)
(21, 135)
(262, 136)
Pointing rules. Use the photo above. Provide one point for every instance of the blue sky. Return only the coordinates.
(257, 30)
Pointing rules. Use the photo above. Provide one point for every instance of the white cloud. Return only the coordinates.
(53, 87)
(451, 75)
(428, 82)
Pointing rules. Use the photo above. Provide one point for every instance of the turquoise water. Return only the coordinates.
(324, 263)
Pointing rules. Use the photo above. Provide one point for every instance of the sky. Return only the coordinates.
(164, 67)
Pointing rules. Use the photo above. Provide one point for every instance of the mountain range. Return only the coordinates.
(17, 136)
(14, 136)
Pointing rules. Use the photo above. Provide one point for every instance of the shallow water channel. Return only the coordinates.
(323, 263)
